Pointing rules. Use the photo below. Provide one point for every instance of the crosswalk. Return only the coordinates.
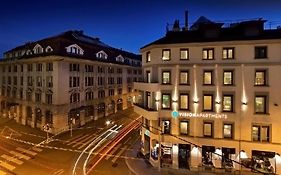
(10, 160)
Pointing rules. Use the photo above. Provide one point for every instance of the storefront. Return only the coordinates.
(263, 161)
(228, 154)
(166, 155)
(146, 142)
(184, 156)
(207, 156)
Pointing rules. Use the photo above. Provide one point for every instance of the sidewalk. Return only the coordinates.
(140, 166)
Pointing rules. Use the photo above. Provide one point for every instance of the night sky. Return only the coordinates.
(126, 24)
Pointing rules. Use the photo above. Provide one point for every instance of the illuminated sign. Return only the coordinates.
(176, 114)
(147, 132)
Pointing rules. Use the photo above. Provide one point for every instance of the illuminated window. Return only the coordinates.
(208, 54)
(166, 126)
(184, 101)
(166, 54)
(207, 78)
(208, 103)
(227, 103)
(260, 52)
(228, 78)
(148, 57)
(166, 77)
(261, 133)
(228, 53)
(260, 104)
(166, 101)
(208, 129)
(184, 77)
(228, 131)
(184, 127)
(184, 54)
(260, 77)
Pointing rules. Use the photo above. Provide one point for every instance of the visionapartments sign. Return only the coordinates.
(176, 114)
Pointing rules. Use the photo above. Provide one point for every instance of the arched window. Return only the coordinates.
(75, 49)
(101, 54)
(49, 49)
(38, 49)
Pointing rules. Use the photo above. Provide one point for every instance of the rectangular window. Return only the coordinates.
(39, 67)
(227, 77)
(208, 78)
(208, 54)
(166, 126)
(184, 54)
(227, 103)
(260, 52)
(184, 127)
(148, 58)
(260, 104)
(49, 98)
(166, 54)
(29, 67)
(49, 66)
(148, 77)
(166, 101)
(228, 131)
(260, 78)
(15, 80)
(208, 102)
(228, 53)
(39, 81)
(208, 129)
(37, 97)
(166, 77)
(184, 77)
(261, 133)
(184, 101)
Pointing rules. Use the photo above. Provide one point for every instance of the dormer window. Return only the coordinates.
(49, 49)
(102, 55)
(38, 49)
(75, 49)
(120, 58)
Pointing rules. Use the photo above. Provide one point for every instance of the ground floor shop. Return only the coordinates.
(210, 154)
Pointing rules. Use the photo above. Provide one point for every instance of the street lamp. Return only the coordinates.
(107, 122)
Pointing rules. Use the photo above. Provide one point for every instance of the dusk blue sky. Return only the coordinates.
(126, 24)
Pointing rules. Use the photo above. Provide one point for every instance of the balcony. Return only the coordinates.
(144, 86)
(150, 114)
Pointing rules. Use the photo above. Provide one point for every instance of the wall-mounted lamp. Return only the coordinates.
(195, 101)
(174, 101)
(157, 100)
(275, 104)
(244, 103)
(217, 102)
(277, 154)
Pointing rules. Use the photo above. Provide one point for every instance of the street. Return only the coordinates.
(25, 151)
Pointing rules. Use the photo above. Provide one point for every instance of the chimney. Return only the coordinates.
(186, 20)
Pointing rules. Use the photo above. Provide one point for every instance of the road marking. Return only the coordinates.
(77, 140)
(58, 172)
(26, 151)
(7, 166)
(12, 159)
(119, 154)
(83, 140)
(86, 143)
(37, 149)
(19, 155)
(2, 173)
(113, 151)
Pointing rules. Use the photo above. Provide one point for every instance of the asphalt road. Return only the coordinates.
(24, 152)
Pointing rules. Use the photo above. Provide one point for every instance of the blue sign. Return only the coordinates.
(175, 114)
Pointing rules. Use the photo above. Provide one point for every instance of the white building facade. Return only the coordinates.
(211, 95)
(69, 79)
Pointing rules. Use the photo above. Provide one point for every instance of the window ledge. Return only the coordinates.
(261, 85)
(261, 114)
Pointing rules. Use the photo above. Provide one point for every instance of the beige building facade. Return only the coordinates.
(69, 79)
(211, 95)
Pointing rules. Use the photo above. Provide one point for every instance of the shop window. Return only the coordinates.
(228, 103)
(227, 77)
(184, 54)
(228, 131)
(260, 104)
(166, 77)
(184, 77)
(228, 53)
(208, 54)
(208, 77)
(260, 52)
(260, 78)
(166, 101)
(166, 126)
(208, 129)
(208, 102)
(166, 54)
(184, 127)
(184, 101)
